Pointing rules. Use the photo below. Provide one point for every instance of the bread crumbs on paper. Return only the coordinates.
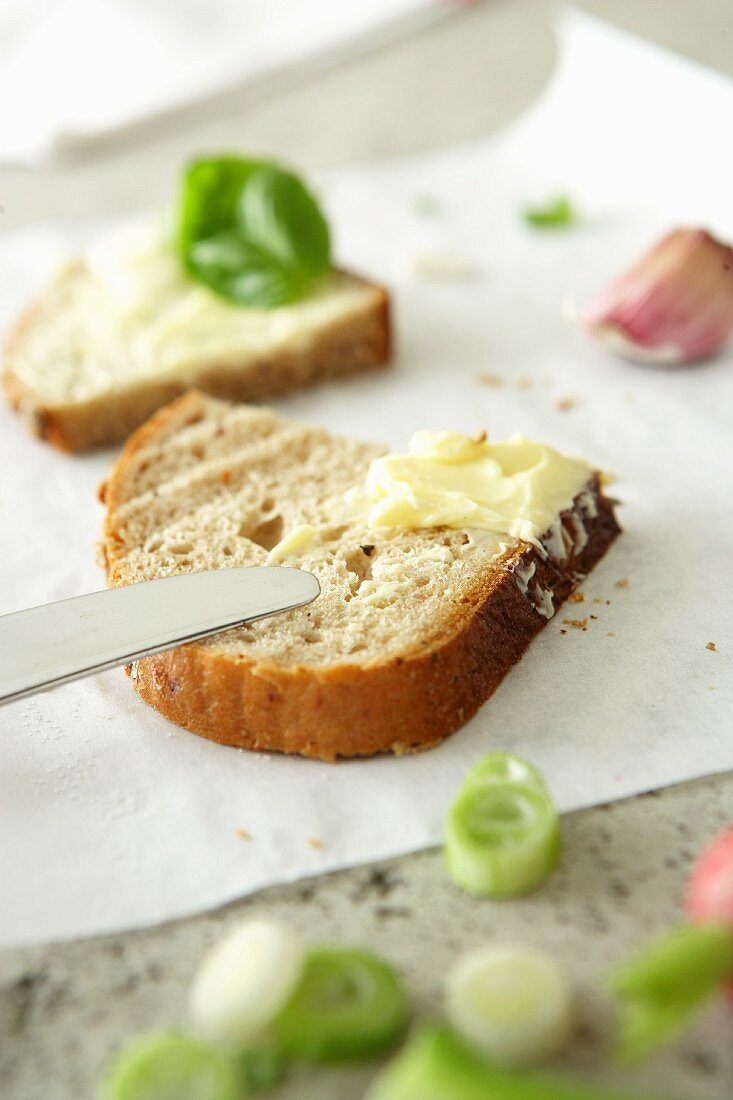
(524, 383)
(579, 624)
(314, 842)
(578, 597)
(712, 646)
(243, 834)
(493, 380)
(610, 634)
(565, 404)
(442, 265)
(622, 583)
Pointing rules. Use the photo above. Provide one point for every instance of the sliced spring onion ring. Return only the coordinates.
(435, 1065)
(244, 981)
(662, 988)
(504, 767)
(349, 1004)
(512, 1003)
(502, 834)
(171, 1067)
(260, 1067)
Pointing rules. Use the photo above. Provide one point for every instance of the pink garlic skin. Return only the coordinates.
(675, 305)
(710, 886)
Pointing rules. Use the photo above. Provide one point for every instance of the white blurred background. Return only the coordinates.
(101, 100)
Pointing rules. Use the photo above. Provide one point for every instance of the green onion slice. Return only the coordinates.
(168, 1066)
(663, 987)
(436, 1065)
(505, 767)
(349, 1004)
(512, 1003)
(244, 980)
(502, 834)
(260, 1067)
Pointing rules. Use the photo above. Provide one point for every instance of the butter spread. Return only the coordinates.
(130, 312)
(293, 543)
(446, 479)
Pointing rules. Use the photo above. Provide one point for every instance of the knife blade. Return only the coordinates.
(46, 646)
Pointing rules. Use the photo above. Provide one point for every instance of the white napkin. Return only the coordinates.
(78, 70)
(111, 818)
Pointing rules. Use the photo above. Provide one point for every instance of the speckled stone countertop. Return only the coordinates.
(65, 1008)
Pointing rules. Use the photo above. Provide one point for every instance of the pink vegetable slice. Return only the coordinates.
(710, 889)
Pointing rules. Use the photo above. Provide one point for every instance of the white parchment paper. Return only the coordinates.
(112, 818)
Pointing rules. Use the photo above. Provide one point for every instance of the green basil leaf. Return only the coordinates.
(209, 198)
(239, 270)
(251, 231)
(283, 218)
(556, 214)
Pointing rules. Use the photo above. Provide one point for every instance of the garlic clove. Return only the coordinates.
(675, 305)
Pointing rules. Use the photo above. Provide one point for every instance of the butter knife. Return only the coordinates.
(46, 646)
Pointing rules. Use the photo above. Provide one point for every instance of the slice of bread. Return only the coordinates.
(413, 631)
(83, 369)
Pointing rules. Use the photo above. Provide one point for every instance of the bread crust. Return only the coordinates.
(403, 704)
(356, 343)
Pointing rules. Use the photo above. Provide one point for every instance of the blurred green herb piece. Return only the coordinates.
(350, 1004)
(169, 1066)
(662, 987)
(251, 231)
(502, 833)
(436, 1065)
(556, 214)
(260, 1068)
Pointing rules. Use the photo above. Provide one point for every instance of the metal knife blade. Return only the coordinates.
(49, 645)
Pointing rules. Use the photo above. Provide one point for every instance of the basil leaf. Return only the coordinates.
(279, 214)
(239, 270)
(209, 198)
(251, 231)
(556, 214)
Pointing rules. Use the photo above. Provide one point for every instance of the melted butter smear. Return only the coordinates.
(516, 488)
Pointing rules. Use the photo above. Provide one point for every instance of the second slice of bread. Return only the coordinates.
(81, 374)
(413, 631)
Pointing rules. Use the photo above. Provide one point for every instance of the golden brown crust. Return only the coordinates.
(348, 347)
(402, 705)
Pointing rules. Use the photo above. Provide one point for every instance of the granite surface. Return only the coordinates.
(65, 1008)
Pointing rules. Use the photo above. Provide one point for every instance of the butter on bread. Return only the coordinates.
(414, 629)
(123, 330)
